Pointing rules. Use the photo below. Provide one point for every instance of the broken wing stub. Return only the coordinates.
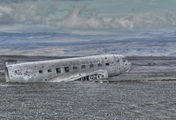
(83, 76)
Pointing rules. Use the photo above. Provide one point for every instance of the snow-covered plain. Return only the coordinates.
(59, 44)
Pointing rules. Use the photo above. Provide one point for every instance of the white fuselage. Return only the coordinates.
(70, 68)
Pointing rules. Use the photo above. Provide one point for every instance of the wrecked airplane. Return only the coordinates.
(91, 68)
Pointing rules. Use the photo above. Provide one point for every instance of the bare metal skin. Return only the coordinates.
(89, 68)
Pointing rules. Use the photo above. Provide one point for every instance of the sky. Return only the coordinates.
(88, 27)
(76, 16)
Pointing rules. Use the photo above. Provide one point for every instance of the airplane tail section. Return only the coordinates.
(10, 62)
(7, 74)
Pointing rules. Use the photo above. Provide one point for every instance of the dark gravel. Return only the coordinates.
(147, 92)
(88, 100)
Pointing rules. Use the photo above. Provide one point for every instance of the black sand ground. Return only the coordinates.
(148, 91)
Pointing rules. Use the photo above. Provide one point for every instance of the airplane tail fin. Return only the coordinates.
(7, 74)
(10, 62)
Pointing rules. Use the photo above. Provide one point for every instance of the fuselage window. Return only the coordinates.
(91, 65)
(75, 67)
(58, 70)
(107, 64)
(49, 70)
(66, 69)
(99, 65)
(40, 71)
(83, 66)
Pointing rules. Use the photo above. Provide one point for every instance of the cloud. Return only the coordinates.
(139, 21)
(14, 1)
(29, 13)
(49, 14)
(147, 20)
(75, 21)
(21, 1)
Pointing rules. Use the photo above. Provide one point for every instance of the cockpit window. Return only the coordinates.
(124, 59)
